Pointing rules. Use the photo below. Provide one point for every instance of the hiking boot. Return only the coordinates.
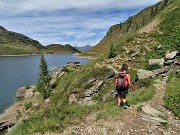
(125, 107)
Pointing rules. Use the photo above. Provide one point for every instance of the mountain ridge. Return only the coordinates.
(83, 48)
(12, 43)
(133, 24)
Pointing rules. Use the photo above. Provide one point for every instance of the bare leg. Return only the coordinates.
(119, 100)
(124, 100)
(124, 103)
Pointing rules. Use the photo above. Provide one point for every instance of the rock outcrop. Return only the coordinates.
(156, 61)
(171, 55)
(24, 92)
(144, 73)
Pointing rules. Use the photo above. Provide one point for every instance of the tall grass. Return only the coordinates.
(172, 96)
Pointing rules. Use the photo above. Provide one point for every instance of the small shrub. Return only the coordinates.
(99, 73)
(131, 52)
(144, 82)
(66, 70)
(112, 52)
(172, 96)
(139, 108)
(177, 75)
(141, 96)
(27, 105)
(129, 39)
(88, 85)
(18, 114)
(153, 67)
(28, 87)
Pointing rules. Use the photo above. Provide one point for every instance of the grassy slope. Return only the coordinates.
(12, 43)
(57, 115)
(117, 34)
(172, 97)
(20, 49)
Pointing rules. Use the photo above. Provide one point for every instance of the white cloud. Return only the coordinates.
(78, 22)
(21, 6)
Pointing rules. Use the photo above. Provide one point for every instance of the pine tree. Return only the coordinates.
(143, 21)
(137, 26)
(120, 25)
(112, 53)
(165, 3)
(152, 12)
(43, 83)
(156, 10)
(129, 23)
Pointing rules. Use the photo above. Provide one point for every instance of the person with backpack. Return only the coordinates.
(123, 83)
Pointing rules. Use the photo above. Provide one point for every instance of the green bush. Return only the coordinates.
(172, 96)
(88, 85)
(28, 87)
(100, 73)
(177, 75)
(153, 67)
(141, 96)
(131, 52)
(112, 52)
(18, 114)
(66, 69)
(139, 108)
(27, 105)
(146, 82)
(171, 30)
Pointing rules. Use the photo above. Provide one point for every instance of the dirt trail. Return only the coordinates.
(130, 122)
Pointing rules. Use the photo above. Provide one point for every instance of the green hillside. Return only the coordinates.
(59, 48)
(74, 87)
(12, 43)
(121, 35)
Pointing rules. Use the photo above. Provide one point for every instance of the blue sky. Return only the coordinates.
(75, 22)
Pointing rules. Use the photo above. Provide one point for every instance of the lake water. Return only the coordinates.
(18, 71)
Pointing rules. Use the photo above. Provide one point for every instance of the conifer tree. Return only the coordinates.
(129, 23)
(152, 12)
(137, 26)
(112, 53)
(120, 25)
(43, 83)
(165, 3)
(143, 21)
(156, 10)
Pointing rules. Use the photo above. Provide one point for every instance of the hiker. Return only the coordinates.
(123, 83)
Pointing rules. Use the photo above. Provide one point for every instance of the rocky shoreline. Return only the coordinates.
(28, 96)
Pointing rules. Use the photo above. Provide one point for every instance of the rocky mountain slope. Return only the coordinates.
(148, 21)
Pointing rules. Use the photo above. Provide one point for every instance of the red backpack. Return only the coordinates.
(122, 80)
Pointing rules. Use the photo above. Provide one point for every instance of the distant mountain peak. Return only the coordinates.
(83, 48)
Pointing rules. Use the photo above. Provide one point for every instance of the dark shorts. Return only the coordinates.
(122, 92)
